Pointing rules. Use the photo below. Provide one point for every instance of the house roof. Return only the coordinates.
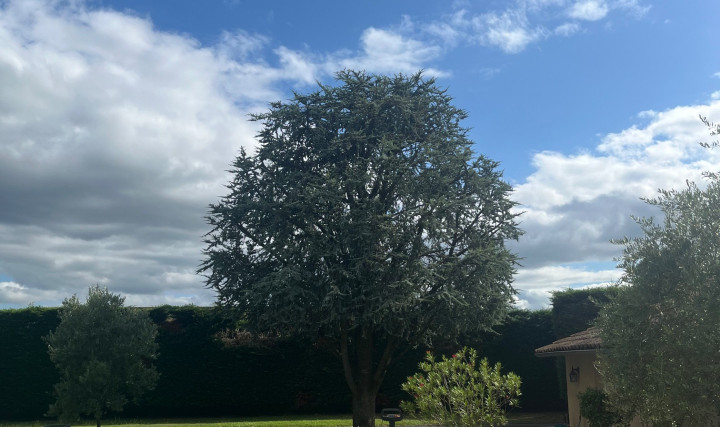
(585, 341)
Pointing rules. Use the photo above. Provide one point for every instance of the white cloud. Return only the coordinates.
(241, 45)
(521, 23)
(558, 277)
(510, 30)
(647, 114)
(576, 203)
(537, 285)
(540, 5)
(385, 51)
(533, 299)
(15, 294)
(678, 127)
(634, 7)
(116, 136)
(297, 66)
(588, 10)
(450, 30)
(633, 162)
(567, 29)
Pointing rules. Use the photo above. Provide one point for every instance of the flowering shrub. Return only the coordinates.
(457, 391)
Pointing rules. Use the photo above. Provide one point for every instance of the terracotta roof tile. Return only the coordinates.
(586, 340)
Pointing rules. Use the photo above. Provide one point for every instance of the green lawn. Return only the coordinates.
(288, 421)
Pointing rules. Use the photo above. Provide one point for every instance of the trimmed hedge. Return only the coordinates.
(201, 376)
(574, 310)
(514, 346)
(26, 374)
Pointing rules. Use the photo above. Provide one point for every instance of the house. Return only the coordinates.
(580, 353)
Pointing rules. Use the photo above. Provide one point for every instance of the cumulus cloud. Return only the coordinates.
(386, 51)
(575, 204)
(14, 294)
(116, 136)
(537, 285)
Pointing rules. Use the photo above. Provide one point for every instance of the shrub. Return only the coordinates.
(457, 391)
(593, 406)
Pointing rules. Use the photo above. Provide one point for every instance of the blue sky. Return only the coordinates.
(119, 118)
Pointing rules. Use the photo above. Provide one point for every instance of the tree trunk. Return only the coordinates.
(98, 423)
(363, 406)
(363, 374)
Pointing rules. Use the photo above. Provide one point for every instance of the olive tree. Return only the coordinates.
(364, 217)
(660, 333)
(103, 352)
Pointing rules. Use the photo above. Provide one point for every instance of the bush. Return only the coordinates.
(458, 392)
(593, 406)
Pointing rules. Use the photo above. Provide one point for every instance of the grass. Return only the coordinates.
(287, 421)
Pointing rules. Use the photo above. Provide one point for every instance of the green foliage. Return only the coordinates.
(574, 310)
(660, 333)
(514, 345)
(458, 391)
(594, 408)
(103, 352)
(26, 373)
(364, 217)
(364, 207)
(201, 376)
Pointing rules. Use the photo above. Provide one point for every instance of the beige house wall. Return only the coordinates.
(589, 378)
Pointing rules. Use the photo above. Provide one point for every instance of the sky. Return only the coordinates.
(119, 120)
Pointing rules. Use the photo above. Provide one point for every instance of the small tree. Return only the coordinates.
(660, 334)
(459, 392)
(364, 217)
(103, 351)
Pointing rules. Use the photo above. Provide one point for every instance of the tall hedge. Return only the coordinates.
(26, 373)
(514, 346)
(574, 310)
(202, 376)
